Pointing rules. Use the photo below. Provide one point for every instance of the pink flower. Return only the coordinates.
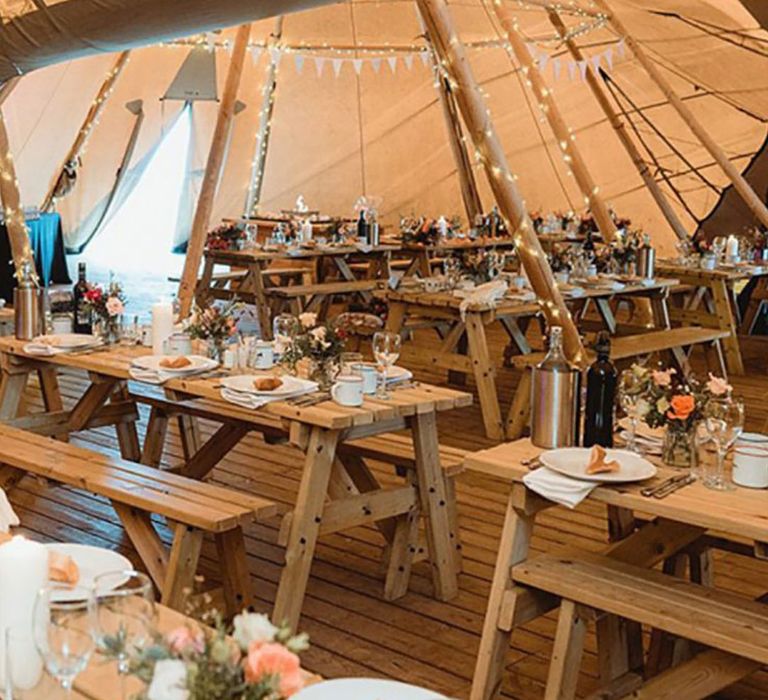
(114, 306)
(185, 640)
(274, 660)
(662, 378)
(718, 386)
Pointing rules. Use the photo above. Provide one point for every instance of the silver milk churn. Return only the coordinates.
(555, 397)
(26, 303)
(646, 259)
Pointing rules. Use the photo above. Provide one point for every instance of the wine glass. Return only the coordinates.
(724, 421)
(62, 623)
(630, 388)
(284, 327)
(386, 350)
(125, 616)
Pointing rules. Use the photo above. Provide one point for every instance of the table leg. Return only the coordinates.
(189, 430)
(11, 392)
(606, 313)
(260, 300)
(305, 526)
(757, 298)
(204, 284)
(434, 503)
(127, 435)
(566, 654)
(154, 442)
(727, 322)
(396, 317)
(182, 566)
(485, 376)
(404, 542)
(238, 588)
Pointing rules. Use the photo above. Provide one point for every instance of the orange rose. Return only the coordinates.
(682, 407)
(275, 660)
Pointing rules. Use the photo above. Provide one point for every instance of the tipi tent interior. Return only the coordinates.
(139, 127)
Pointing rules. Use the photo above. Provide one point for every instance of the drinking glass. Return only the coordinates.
(125, 616)
(724, 421)
(348, 360)
(62, 623)
(718, 247)
(386, 350)
(630, 386)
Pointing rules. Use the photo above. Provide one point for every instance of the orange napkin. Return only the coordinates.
(597, 463)
(62, 568)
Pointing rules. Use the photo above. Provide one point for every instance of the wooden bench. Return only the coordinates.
(587, 583)
(191, 508)
(678, 341)
(308, 297)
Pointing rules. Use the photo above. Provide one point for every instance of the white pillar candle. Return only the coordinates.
(23, 572)
(162, 325)
(732, 247)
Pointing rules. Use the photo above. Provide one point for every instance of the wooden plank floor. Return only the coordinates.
(354, 632)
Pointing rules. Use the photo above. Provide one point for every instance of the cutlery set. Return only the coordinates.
(668, 486)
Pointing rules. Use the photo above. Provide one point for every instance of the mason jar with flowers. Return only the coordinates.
(215, 325)
(106, 307)
(678, 404)
(314, 350)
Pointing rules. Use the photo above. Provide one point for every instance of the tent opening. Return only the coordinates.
(137, 240)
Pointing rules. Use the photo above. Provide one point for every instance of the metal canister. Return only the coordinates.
(646, 259)
(555, 398)
(26, 303)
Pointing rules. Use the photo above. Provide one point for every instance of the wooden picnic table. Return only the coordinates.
(335, 493)
(465, 350)
(712, 302)
(669, 525)
(249, 268)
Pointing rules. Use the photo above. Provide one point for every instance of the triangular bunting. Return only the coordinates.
(424, 56)
(571, 70)
(275, 54)
(357, 64)
(620, 48)
(608, 53)
(336, 63)
(408, 60)
(532, 50)
(543, 60)
(298, 60)
(376, 64)
(595, 60)
(392, 63)
(256, 52)
(556, 68)
(319, 65)
(583, 69)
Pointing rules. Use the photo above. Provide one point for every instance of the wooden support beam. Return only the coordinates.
(618, 125)
(91, 117)
(752, 200)
(563, 134)
(265, 123)
(453, 59)
(213, 170)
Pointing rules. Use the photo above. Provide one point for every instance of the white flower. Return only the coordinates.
(308, 319)
(114, 306)
(169, 681)
(643, 408)
(253, 627)
(318, 334)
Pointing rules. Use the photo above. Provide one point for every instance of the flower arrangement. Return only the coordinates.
(424, 231)
(226, 237)
(318, 345)
(215, 324)
(255, 660)
(482, 265)
(105, 306)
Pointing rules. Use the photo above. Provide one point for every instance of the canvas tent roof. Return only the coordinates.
(382, 133)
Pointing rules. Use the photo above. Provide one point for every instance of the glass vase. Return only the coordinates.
(108, 329)
(215, 349)
(679, 447)
(324, 373)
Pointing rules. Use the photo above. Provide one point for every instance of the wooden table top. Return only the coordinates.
(516, 307)
(451, 244)
(728, 273)
(741, 513)
(245, 257)
(116, 360)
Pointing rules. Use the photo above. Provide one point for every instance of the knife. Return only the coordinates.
(671, 488)
(649, 491)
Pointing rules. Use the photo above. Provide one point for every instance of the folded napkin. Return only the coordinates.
(8, 517)
(245, 399)
(364, 247)
(42, 349)
(486, 294)
(557, 487)
(150, 376)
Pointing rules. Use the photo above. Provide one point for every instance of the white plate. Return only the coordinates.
(291, 385)
(68, 341)
(198, 363)
(572, 461)
(398, 374)
(643, 430)
(92, 562)
(365, 689)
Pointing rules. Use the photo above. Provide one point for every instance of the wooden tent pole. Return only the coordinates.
(621, 131)
(754, 202)
(85, 129)
(213, 170)
(489, 150)
(265, 123)
(565, 138)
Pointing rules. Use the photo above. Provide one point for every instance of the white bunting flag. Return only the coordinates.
(275, 55)
(556, 68)
(583, 69)
(608, 53)
(596, 63)
(229, 46)
(298, 60)
(571, 70)
(392, 63)
(336, 63)
(319, 64)
(424, 56)
(376, 64)
(620, 49)
(357, 64)
(543, 60)
(408, 60)
(532, 50)
(256, 52)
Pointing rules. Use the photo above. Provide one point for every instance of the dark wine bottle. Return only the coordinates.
(601, 391)
(82, 322)
(363, 229)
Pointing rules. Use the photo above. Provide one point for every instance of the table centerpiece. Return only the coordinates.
(215, 324)
(314, 350)
(105, 306)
